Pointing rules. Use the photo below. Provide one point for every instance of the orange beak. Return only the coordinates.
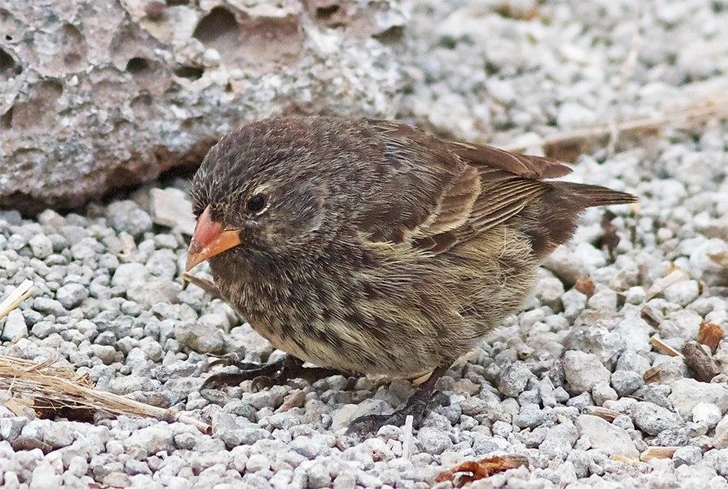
(209, 239)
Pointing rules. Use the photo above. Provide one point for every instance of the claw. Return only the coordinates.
(265, 375)
(417, 406)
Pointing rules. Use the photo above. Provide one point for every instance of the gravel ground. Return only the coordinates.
(562, 383)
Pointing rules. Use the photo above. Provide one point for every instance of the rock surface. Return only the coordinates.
(98, 95)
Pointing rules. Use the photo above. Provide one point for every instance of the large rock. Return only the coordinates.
(101, 94)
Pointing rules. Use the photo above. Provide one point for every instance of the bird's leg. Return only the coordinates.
(417, 406)
(266, 375)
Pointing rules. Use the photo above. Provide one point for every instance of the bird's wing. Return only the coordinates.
(444, 192)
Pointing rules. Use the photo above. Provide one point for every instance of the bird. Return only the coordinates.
(368, 246)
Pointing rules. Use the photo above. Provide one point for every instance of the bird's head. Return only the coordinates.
(261, 191)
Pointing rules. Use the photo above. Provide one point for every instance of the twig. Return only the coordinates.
(627, 72)
(710, 335)
(657, 452)
(695, 113)
(16, 297)
(663, 347)
(408, 439)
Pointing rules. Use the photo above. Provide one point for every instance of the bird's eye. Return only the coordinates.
(256, 203)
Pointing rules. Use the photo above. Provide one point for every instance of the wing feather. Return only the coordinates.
(459, 191)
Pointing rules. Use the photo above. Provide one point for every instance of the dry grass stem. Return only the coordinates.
(16, 297)
(50, 388)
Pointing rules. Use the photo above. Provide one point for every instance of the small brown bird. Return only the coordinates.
(371, 247)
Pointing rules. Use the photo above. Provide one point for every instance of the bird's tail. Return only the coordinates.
(586, 195)
(558, 214)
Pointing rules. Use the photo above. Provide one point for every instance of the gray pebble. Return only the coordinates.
(200, 338)
(653, 419)
(682, 293)
(129, 274)
(530, 416)
(604, 300)
(513, 379)
(15, 326)
(559, 440)
(310, 447)
(153, 292)
(60, 436)
(602, 392)
(625, 382)
(71, 295)
(10, 428)
(153, 439)
(583, 371)
(41, 246)
(686, 393)
(433, 440)
(605, 436)
(574, 303)
(246, 435)
(707, 414)
(689, 455)
(126, 216)
(49, 306)
(549, 291)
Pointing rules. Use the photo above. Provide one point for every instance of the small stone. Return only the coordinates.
(583, 371)
(720, 439)
(707, 414)
(686, 393)
(49, 306)
(602, 392)
(106, 353)
(559, 440)
(136, 467)
(126, 216)
(47, 474)
(513, 379)
(257, 462)
(246, 435)
(345, 480)
(310, 447)
(688, 455)
(574, 303)
(653, 419)
(682, 293)
(200, 338)
(630, 360)
(153, 439)
(606, 437)
(625, 382)
(71, 295)
(60, 436)
(635, 295)
(41, 245)
(319, 476)
(530, 416)
(154, 292)
(566, 265)
(129, 274)
(10, 428)
(549, 291)
(433, 440)
(15, 326)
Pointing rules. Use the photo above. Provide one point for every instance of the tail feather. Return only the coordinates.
(555, 221)
(592, 195)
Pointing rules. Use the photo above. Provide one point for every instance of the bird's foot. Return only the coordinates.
(418, 405)
(266, 375)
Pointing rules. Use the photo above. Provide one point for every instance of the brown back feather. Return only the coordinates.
(468, 189)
